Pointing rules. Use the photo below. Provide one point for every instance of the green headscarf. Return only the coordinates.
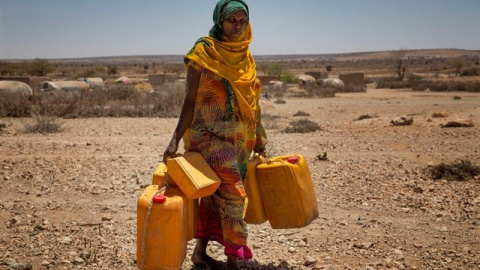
(223, 9)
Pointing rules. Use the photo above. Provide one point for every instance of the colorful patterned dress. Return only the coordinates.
(226, 143)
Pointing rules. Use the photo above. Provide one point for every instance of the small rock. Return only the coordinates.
(398, 254)
(292, 250)
(78, 260)
(402, 121)
(15, 220)
(21, 266)
(85, 254)
(65, 240)
(476, 201)
(107, 218)
(440, 115)
(417, 245)
(309, 261)
(458, 123)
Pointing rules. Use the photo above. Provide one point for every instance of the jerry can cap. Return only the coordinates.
(293, 159)
(159, 198)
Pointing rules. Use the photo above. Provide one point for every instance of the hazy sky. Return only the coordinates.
(88, 28)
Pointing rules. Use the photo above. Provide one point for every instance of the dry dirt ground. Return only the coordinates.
(68, 200)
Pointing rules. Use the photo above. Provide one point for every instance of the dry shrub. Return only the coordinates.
(301, 113)
(270, 121)
(118, 101)
(322, 157)
(15, 105)
(447, 86)
(2, 127)
(280, 101)
(363, 117)
(354, 89)
(302, 126)
(43, 124)
(470, 71)
(460, 170)
(437, 86)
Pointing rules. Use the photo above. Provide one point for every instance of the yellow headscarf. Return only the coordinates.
(232, 61)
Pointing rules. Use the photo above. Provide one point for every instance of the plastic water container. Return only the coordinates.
(255, 213)
(160, 174)
(193, 175)
(159, 177)
(162, 228)
(287, 192)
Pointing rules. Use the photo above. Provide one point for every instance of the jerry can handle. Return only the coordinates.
(265, 159)
(165, 182)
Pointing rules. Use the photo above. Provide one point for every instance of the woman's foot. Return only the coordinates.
(232, 263)
(200, 257)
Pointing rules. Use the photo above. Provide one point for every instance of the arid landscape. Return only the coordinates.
(68, 199)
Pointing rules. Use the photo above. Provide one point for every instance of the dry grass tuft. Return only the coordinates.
(302, 126)
(460, 170)
(43, 124)
(301, 113)
(269, 121)
(363, 117)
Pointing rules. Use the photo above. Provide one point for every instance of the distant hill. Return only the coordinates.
(139, 59)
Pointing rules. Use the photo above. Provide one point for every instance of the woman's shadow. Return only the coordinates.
(250, 264)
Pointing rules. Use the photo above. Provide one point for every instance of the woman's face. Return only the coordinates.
(234, 25)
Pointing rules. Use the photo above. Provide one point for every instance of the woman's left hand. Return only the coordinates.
(261, 152)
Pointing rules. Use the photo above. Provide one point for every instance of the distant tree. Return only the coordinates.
(112, 70)
(263, 67)
(458, 65)
(274, 69)
(7, 68)
(95, 71)
(289, 77)
(39, 67)
(328, 68)
(398, 58)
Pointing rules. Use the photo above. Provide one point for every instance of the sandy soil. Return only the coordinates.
(68, 200)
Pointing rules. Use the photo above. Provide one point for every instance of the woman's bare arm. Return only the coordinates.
(186, 115)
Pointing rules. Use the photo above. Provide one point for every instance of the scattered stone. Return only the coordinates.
(107, 218)
(21, 266)
(65, 240)
(458, 123)
(402, 121)
(440, 115)
(15, 220)
(366, 245)
(417, 245)
(309, 261)
(78, 260)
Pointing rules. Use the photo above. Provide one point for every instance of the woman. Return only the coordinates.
(220, 119)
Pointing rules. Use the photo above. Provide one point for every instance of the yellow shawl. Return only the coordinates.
(232, 61)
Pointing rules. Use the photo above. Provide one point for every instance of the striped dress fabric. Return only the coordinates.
(226, 142)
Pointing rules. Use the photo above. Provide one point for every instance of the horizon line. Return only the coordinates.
(257, 55)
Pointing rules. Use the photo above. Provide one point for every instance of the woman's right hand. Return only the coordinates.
(170, 151)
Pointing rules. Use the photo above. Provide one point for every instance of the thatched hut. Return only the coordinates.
(75, 88)
(95, 83)
(15, 87)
